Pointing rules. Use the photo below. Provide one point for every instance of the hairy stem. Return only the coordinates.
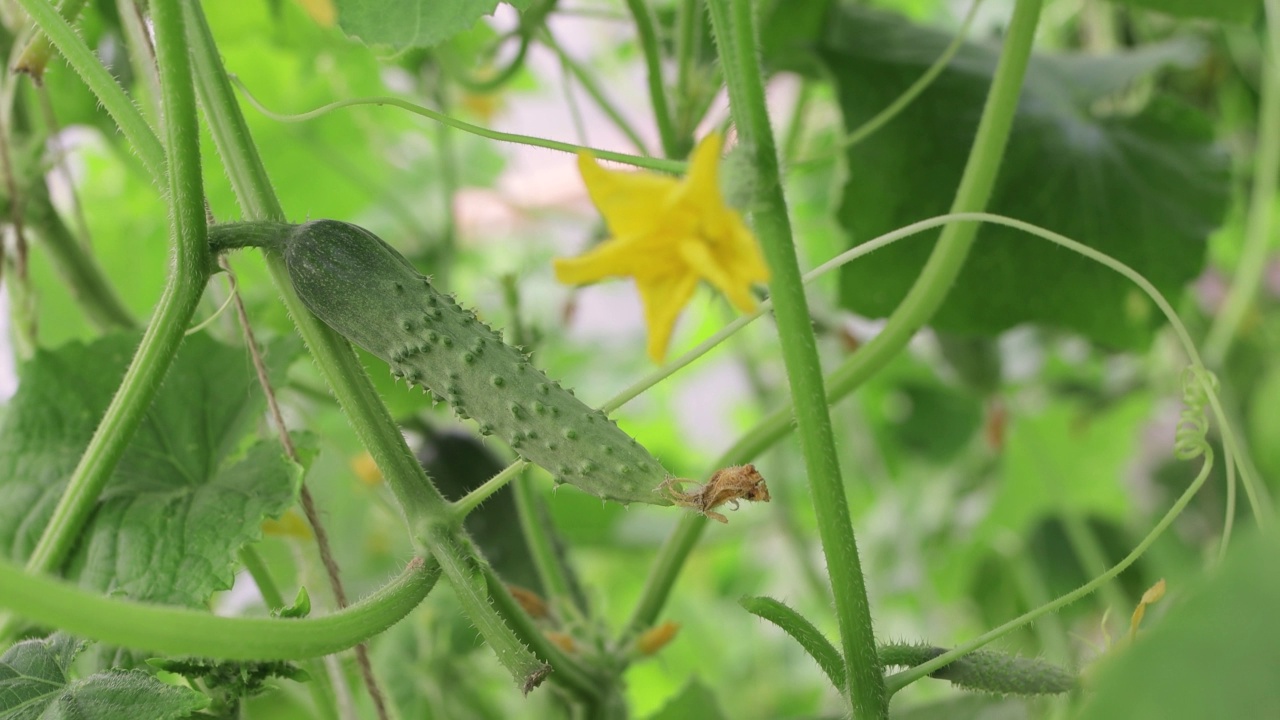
(180, 631)
(187, 278)
(742, 71)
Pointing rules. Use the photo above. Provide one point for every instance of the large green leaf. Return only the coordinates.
(1214, 655)
(403, 24)
(185, 495)
(35, 684)
(1146, 187)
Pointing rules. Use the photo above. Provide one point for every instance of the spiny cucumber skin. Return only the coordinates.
(370, 294)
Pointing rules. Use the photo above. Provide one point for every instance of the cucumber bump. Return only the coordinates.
(370, 294)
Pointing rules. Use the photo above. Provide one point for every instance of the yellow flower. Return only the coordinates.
(668, 234)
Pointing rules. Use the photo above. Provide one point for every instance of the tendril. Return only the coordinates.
(1193, 423)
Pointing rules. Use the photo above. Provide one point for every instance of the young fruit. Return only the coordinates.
(370, 294)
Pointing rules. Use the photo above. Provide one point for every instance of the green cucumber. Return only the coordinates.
(370, 294)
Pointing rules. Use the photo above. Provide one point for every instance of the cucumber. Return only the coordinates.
(371, 295)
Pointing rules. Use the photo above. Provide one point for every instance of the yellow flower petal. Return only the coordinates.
(668, 234)
(664, 298)
(703, 263)
(702, 187)
(629, 201)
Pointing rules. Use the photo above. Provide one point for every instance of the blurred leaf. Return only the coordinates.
(35, 684)
(1264, 422)
(184, 496)
(969, 707)
(694, 701)
(1241, 11)
(402, 24)
(1214, 655)
(1067, 457)
(1146, 185)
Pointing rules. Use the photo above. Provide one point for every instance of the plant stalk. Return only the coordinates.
(744, 76)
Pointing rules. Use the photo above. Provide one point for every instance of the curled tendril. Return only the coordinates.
(1193, 424)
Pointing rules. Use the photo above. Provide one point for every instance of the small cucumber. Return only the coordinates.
(370, 294)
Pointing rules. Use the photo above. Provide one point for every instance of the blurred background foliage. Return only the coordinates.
(1021, 446)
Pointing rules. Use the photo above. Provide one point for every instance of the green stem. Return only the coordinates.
(1257, 232)
(569, 673)
(35, 57)
(597, 94)
(190, 272)
(114, 100)
(266, 584)
(902, 679)
(555, 581)
(642, 14)
(464, 505)
(862, 132)
(687, 21)
(800, 355)
(181, 631)
(252, 233)
(80, 271)
(675, 167)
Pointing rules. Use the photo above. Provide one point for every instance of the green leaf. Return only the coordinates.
(403, 24)
(35, 684)
(175, 542)
(1145, 185)
(1241, 11)
(803, 632)
(1214, 655)
(694, 701)
(185, 495)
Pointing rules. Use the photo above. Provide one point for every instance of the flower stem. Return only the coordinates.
(735, 18)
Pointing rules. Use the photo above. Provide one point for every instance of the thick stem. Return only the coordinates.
(800, 353)
(190, 272)
(922, 300)
(181, 631)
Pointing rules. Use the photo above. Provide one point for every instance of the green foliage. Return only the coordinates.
(990, 465)
(1213, 655)
(695, 700)
(1140, 181)
(186, 495)
(36, 682)
(418, 23)
(1240, 11)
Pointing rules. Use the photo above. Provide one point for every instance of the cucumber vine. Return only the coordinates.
(344, 289)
